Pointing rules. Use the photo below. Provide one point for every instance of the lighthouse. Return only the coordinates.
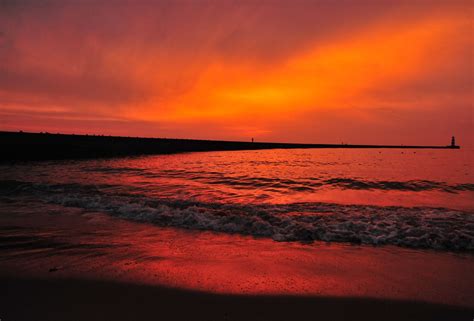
(453, 141)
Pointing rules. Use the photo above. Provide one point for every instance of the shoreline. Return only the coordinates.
(66, 264)
(20, 146)
(65, 244)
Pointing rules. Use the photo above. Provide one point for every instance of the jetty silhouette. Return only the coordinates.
(45, 146)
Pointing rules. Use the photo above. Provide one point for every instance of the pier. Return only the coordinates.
(45, 146)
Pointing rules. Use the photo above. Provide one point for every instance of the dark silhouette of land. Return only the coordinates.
(44, 146)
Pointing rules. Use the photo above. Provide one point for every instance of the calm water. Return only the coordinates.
(418, 199)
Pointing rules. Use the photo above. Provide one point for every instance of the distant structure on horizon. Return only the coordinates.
(47, 146)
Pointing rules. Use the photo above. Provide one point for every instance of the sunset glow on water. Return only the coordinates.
(323, 207)
(373, 197)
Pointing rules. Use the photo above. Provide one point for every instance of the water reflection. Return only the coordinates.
(424, 178)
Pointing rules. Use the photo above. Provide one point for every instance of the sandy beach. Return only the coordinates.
(70, 266)
(73, 299)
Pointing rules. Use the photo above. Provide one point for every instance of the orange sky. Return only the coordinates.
(278, 70)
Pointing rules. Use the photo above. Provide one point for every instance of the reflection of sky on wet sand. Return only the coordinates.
(96, 246)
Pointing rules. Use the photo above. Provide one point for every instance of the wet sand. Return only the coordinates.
(64, 264)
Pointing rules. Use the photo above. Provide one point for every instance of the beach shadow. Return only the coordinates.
(71, 299)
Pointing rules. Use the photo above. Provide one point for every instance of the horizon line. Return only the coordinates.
(252, 141)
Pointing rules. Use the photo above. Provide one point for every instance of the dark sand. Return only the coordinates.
(72, 299)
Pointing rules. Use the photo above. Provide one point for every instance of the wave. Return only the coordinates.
(413, 185)
(302, 184)
(415, 227)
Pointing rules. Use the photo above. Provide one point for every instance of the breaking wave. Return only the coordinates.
(415, 227)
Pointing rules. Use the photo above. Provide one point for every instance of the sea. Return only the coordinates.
(420, 199)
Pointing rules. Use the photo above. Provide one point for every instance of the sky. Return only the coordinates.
(361, 71)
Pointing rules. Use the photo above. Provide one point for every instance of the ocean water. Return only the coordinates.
(411, 198)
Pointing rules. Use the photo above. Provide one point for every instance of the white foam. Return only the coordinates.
(411, 227)
(418, 227)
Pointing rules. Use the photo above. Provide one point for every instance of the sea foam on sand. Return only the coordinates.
(59, 242)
